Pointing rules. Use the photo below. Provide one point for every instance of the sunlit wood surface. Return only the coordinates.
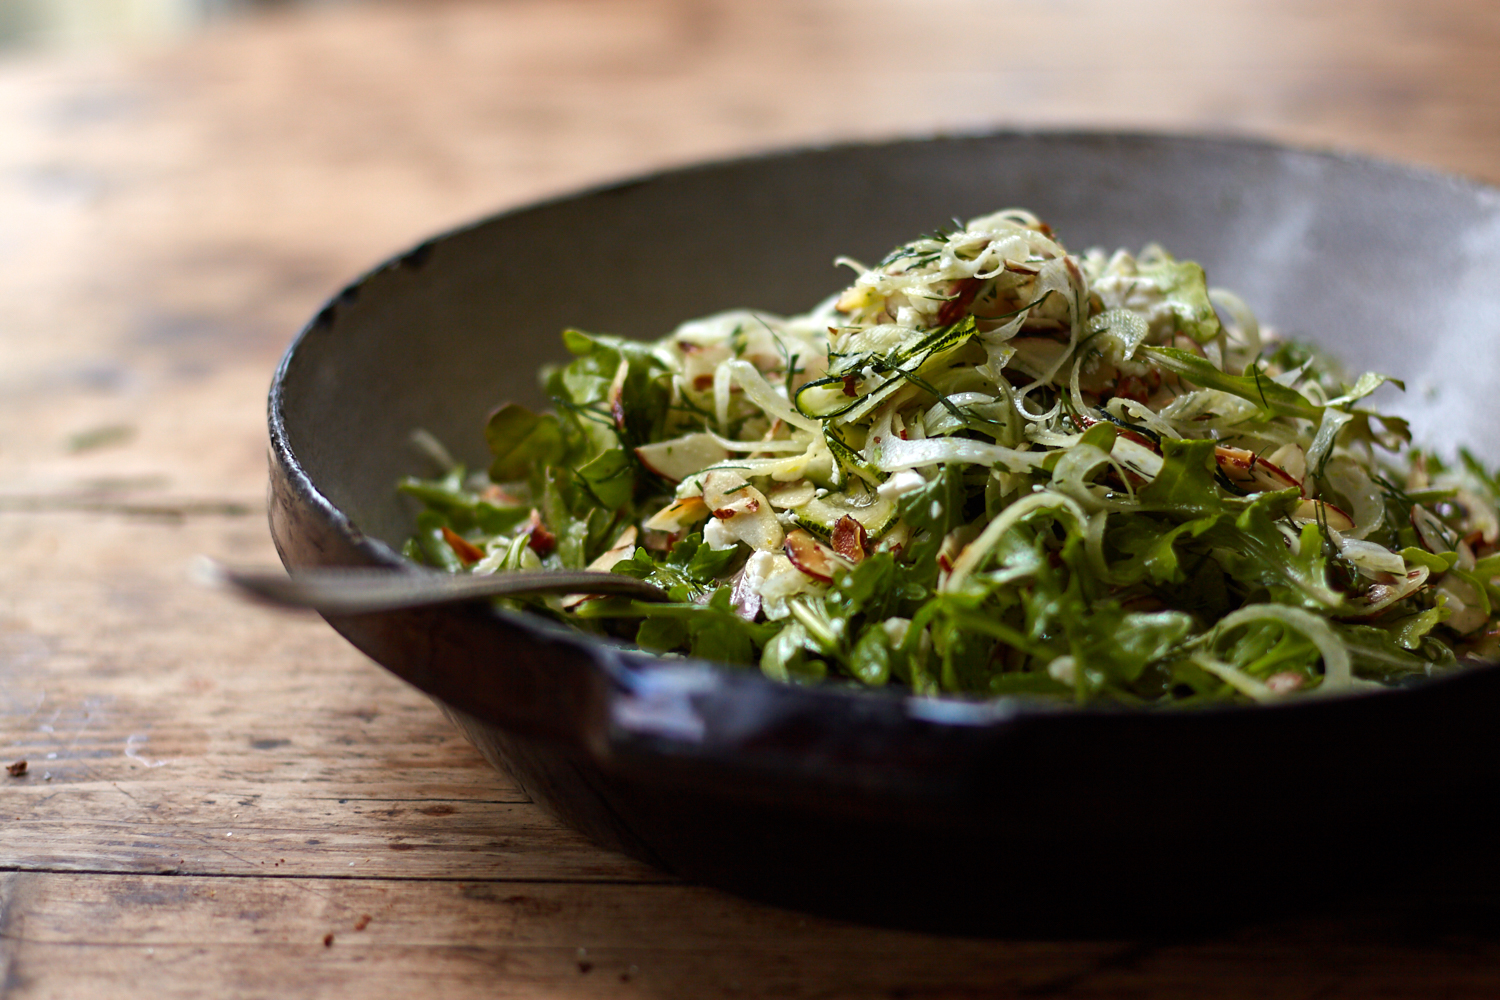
(224, 802)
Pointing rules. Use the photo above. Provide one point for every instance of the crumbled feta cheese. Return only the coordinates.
(1063, 669)
(895, 629)
(718, 536)
(901, 484)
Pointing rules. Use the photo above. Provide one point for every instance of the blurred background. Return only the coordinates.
(70, 24)
(182, 182)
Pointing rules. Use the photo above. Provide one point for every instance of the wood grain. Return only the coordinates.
(178, 729)
(376, 938)
(213, 789)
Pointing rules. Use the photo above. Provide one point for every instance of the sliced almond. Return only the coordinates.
(810, 555)
(1291, 459)
(466, 550)
(1248, 470)
(1382, 595)
(1324, 513)
(896, 538)
(754, 524)
(616, 553)
(617, 395)
(955, 542)
(849, 539)
(1434, 535)
(541, 540)
(679, 515)
(1284, 682)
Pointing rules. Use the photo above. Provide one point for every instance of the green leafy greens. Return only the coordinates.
(991, 467)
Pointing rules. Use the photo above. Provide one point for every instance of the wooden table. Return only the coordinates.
(222, 801)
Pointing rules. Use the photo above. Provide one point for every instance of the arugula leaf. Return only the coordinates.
(644, 392)
(1186, 483)
(932, 511)
(707, 564)
(1185, 287)
(690, 569)
(1257, 387)
(1256, 552)
(433, 546)
(1409, 631)
(1379, 655)
(1363, 386)
(789, 655)
(1149, 544)
(872, 657)
(1120, 645)
(464, 509)
(522, 441)
(610, 476)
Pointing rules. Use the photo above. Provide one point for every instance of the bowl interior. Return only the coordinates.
(1394, 270)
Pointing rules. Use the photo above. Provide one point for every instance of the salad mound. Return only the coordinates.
(991, 467)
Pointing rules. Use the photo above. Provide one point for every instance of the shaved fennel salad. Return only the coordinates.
(991, 467)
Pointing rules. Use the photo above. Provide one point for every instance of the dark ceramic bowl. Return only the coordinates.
(930, 813)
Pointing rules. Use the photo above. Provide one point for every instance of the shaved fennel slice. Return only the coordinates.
(1348, 478)
(1338, 674)
(759, 392)
(973, 554)
(893, 454)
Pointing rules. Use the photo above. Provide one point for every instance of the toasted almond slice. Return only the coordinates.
(810, 555)
(616, 553)
(1380, 596)
(1434, 535)
(742, 510)
(617, 395)
(678, 515)
(1249, 470)
(954, 544)
(849, 539)
(541, 540)
(1322, 511)
(461, 546)
(1291, 459)
(1284, 682)
(896, 538)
